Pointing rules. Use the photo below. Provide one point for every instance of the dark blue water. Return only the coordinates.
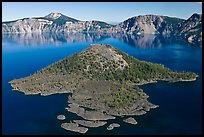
(180, 110)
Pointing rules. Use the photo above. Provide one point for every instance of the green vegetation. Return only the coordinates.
(123, 98)
(137, 71)
(109, 65)
(59, 21)
(173, 21)
(104, 25)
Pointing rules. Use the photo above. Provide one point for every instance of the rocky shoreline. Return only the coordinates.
(112, 126)
(105, 91)
(99, 116)
(90, 123)
(88, 115)
(74, 127)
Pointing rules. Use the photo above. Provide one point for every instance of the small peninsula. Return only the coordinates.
(103, 82)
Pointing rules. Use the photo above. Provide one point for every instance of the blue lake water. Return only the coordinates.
(180, 110)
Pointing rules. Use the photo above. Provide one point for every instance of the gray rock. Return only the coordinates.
(88, 115)
(112, 126)
(189, 30)
(48, 24)
(74, 127)
(90, 123)
(130, 120)
(61, 117)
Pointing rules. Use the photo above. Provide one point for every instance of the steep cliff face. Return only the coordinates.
(190, 29)
(169, 24)
(54, 22)
(26, 25)
(148, 24)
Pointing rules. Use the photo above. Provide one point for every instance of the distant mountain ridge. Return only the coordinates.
(190, 29)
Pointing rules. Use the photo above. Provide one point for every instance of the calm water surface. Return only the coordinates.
(180, 110)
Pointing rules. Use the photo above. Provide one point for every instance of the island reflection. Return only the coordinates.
(139, 41)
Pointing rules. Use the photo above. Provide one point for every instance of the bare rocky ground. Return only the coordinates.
(74, 127)
(112, 126)
(130, 120)
(61, 117)
(98, 92)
